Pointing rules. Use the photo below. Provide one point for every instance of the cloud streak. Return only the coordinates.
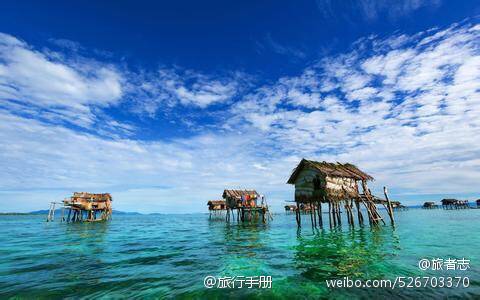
(390, 106)
(64, 89)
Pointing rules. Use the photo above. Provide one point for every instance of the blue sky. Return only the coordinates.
(166, 104)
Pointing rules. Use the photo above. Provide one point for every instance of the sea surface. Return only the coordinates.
(168, 256)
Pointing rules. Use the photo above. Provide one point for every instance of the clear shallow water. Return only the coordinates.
(168, 256)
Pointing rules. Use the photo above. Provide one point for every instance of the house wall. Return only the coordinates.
(234, 203)
(304, 186)
(331, 187)
(341, 186)
(231, 202)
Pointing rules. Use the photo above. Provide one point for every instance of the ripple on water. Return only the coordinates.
(169, 255)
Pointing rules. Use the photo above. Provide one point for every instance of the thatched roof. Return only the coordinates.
(238, 193)
(330, 169)
(216, 202)
(92, 197)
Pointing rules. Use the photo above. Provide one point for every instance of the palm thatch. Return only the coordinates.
(323, 181)
(346, 170)
(217, 205)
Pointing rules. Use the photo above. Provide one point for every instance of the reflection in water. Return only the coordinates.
(243, 244)
(84, 245)
(345, 252)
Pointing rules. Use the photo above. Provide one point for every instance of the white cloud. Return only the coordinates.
(413, 124)
(406, 112)
(48, 81)
(168, 88)
(143, 176)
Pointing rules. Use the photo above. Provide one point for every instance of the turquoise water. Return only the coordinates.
(168, 256)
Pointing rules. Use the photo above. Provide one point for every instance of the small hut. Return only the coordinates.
(449, 203)
(248, 203)
(335, 184)
(216, 205)
(289, 208)
(397, 205)
(85, 207)
(429, 205)
(304, 208)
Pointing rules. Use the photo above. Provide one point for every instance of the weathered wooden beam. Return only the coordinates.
(390, 209)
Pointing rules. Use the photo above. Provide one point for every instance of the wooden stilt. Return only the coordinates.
(390, 209)
(369, 213)
(49, 212)
(330, 213)
(297, 215)
(352, 217)
(53, 212)
(347, 212)
(311, 214)
(319, 212)
(375, 216)
(359, 212)
(334, 213)
(339, 217)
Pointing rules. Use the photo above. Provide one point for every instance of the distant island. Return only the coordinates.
(59, 211)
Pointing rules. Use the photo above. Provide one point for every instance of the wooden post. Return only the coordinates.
(330, 214)
(319, 212)
(339, 210)
(49, 212)
(369, 213)
(390, 209)
(347, 211)
(372, 209)
(351, 212)
(297, 215)
(334, 213)
(359, 213)
(311, 213)
(377, 214)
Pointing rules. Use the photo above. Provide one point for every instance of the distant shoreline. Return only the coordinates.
(116, 212)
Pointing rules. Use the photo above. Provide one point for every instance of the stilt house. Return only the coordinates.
(248, 204)
(89, 207)
(216, 205)
(335, 184)
(240, 198)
